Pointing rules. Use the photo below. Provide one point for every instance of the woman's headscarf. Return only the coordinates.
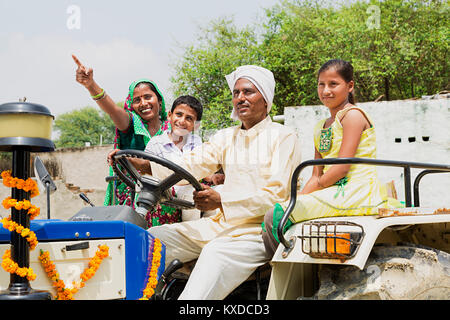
(129, 99)
(139, 126)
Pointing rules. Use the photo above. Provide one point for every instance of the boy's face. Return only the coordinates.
(182, 119)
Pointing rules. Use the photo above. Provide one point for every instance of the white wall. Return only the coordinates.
(395, 119)
(85, 168)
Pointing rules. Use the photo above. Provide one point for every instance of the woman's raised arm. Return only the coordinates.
(85, 77)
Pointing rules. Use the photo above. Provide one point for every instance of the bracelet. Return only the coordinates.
(104, 95)
(99, 96)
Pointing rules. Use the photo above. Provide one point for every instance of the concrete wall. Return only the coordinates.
(77, 170)
(427, 122)
(83, 167)
(64, 203)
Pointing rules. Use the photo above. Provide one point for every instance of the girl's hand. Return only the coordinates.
(83, 76)
(312, 185)
(218, 178)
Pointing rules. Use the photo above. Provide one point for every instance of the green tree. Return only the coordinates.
(404, 55)
(219, 49)
(84, 125)
(399, 50)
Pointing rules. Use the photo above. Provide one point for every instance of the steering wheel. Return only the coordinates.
(151, 190)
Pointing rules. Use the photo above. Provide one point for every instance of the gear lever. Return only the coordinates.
(86, 199)
(171, 268)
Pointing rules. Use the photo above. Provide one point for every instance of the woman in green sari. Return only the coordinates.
(142, 117)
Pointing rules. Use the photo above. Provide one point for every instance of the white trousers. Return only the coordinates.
(223, 263)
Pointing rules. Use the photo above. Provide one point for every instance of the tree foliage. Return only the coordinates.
(220, 48)
(399, 49)
(84, 125)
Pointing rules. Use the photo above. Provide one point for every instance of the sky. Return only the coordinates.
(121, 40)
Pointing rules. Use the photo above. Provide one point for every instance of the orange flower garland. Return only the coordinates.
(12, 267)
(94, 263)
(152, 281)
(26, 233)
(9, 203)
(28, 185)
(63, 293)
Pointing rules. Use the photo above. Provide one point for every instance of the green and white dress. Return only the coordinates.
(136, 137)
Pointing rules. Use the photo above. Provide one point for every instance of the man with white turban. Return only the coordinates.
(260, 77)
(258, 158)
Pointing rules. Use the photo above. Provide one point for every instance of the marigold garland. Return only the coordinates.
(28, 185)
(12, 267)
(9, 203)
(63, 293)
(152, 278)
(26, 233)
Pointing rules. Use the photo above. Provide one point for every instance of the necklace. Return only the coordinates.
(326, 139)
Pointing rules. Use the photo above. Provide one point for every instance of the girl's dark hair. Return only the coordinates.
(344, 69)
(191, 102)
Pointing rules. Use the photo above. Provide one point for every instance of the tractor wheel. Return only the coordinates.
(391, 272)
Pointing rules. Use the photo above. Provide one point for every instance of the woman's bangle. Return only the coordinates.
(104, 95)
(99, 96)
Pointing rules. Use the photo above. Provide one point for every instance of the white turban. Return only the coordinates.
(261, 78)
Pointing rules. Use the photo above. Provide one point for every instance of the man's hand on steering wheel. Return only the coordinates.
(151, 190)
(207, 199)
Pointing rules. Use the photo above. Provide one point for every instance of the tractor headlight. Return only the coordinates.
(331, 239)
(27, 125)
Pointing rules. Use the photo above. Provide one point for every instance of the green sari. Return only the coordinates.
(136, 137)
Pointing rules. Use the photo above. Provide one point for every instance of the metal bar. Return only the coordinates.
(47, 186)
(330, 161)
(326, 235)
(20, 251)
(417, 181)
(407, 182)
(317, 239)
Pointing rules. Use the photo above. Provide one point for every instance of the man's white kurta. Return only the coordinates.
(258, 164)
